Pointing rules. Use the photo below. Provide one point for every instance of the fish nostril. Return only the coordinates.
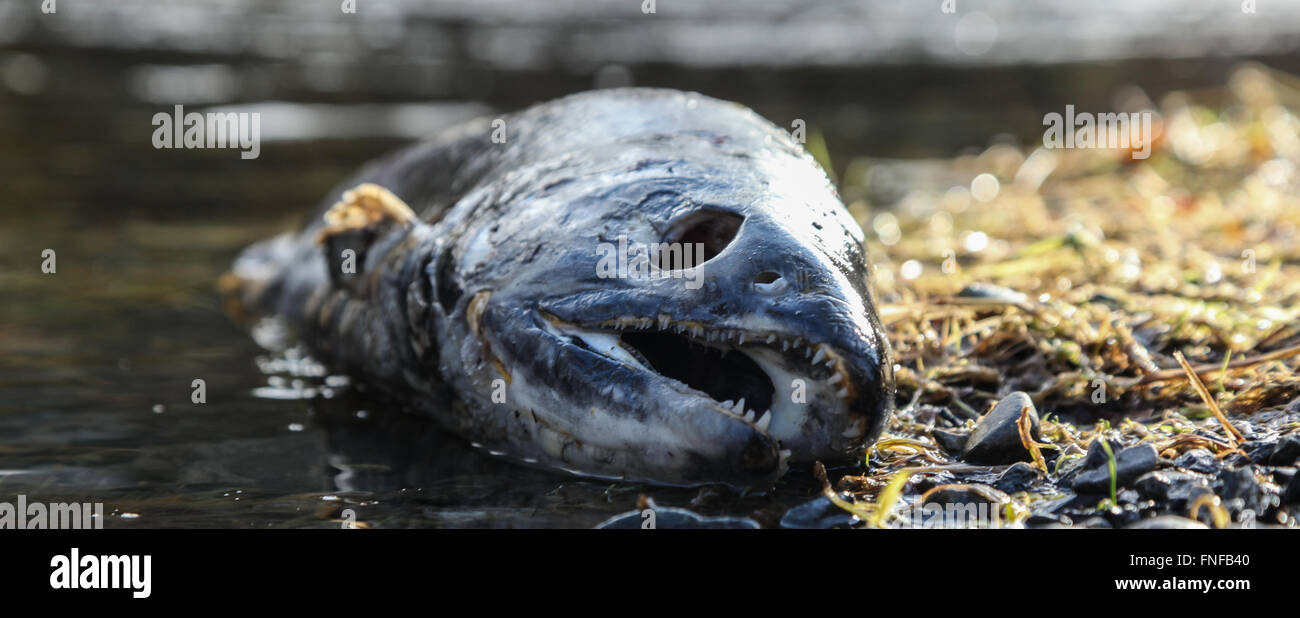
(768, 282)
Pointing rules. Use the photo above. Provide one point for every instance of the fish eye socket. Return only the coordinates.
(711, 230)
(448, 290)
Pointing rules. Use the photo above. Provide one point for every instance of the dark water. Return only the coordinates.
(98, 359)
(97, 363)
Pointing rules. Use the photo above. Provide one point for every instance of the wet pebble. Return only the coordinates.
(950, 441)
(1056, 507)
(965, 494)
(961, 506)
(1164, 485)
(1286, 452)
(1019, 477)
(1291, 494)
(1198, 460)
(996, 439)
(817, 514)
(924, 482)
(1094, 457)
(1048, 520)
(1259, 450)
(1239, 489)
(1130, 463)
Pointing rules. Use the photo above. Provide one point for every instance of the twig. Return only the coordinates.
(1024, 425)
(1166, 375)
(1208, 398)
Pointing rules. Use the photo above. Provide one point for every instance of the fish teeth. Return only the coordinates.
(663, 322)
(740, 406)
(749, 416)
(843, 393)
(821, 355)
(742, 338)
(765, 421)
(729, 404)
(771, 338)
(837, 378)
(807, 352)
(785, 345)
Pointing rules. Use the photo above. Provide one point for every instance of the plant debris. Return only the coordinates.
(1137, 302)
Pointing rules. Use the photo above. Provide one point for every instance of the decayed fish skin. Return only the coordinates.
(491, 287)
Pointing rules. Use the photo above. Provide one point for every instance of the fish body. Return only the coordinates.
(637, 283)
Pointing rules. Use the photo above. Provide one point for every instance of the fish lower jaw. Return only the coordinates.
(799, 378)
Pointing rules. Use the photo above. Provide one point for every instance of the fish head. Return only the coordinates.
(684, 315)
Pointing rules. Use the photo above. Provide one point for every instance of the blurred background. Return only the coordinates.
(96, 361)
(890, 78)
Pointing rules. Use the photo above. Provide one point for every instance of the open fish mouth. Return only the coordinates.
(772, 381)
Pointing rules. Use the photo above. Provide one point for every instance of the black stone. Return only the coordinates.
(1291, 494)
(1160, 485)
(996, 439)
(1286, 452)
(1079, 506)
(1198, 460)
(1130, 463)
(818, 514)
(1182, 494)
(960, 506)
(1048, 520)
(1239, 485)
(1019, 477)
(1096, 455)
(951, 442)
(965, 494)
(1259, 450)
